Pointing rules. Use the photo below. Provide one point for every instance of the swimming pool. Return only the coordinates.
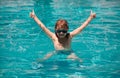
(22, 41)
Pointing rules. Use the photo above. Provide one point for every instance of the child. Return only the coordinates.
(61, 38)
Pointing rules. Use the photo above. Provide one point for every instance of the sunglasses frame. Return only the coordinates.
(63, 31)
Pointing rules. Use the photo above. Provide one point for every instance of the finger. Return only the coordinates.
(33, 11)
(91, 12)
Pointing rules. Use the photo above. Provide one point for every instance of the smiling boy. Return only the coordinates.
(61, 38)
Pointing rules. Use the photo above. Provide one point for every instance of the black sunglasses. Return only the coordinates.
(59, 31)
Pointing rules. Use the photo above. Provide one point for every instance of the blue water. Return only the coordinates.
(22, 41)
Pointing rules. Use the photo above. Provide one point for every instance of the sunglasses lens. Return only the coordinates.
(64, 31)
(59, 31)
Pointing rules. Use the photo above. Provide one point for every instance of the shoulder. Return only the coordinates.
(68, 35)
(54, 37)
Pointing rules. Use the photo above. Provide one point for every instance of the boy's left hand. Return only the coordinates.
(32, 14)
(93, 15)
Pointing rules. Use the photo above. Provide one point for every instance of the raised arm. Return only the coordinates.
(47, 31)
(79, 29)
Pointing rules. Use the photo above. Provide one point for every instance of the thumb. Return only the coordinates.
(91, 12)
(33, 11)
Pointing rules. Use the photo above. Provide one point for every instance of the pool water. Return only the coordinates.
(22, 41)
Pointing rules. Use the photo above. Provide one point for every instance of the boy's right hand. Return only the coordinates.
(93, 15)
(32, 14)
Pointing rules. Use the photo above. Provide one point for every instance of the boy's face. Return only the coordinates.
(61, 32)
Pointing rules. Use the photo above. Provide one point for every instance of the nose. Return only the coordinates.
(61, 33)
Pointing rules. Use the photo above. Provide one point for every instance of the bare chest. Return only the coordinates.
(62, 43)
